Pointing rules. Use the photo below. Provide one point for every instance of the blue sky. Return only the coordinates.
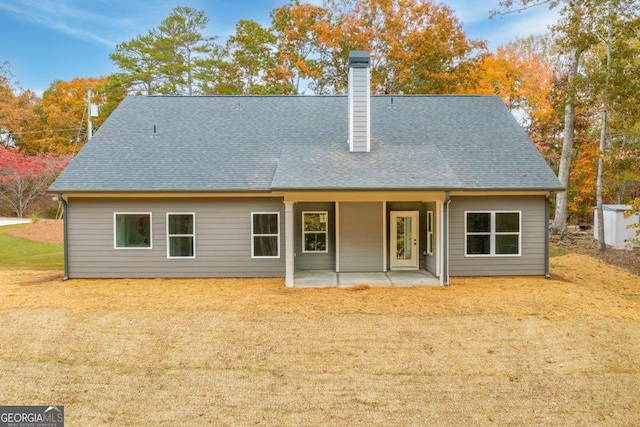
(46, 40)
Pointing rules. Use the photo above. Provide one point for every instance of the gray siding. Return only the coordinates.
(314, 261)
(359, 104)
(222, 229)
(532, 259)
(360, 236)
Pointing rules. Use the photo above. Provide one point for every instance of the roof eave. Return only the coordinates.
(297, 189)
(508, 189)
(153, 191)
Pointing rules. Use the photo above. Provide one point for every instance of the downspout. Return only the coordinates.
(547, 271)
(445, 239)
(65, 214)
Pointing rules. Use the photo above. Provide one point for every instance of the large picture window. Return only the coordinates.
(181, 237)
(314, 231)
(265, 235)
(493, 233)
(132, 230)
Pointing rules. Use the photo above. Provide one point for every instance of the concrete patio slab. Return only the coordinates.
(412, 278)
(353, 279)
(315, 279)
(321, 279)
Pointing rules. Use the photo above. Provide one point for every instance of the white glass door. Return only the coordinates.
(404, 240)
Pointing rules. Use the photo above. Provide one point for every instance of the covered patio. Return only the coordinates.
(324, 278)
(375, 238)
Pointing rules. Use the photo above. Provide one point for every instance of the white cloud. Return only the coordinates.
(63, 17)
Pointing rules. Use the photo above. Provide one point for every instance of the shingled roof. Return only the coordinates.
(267, 143)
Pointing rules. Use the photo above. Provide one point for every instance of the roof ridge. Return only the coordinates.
(303, 96)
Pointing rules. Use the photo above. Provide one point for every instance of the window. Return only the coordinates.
(265, 235)
(132, 230)
(492, 233)
(181, 237)
(314, 231)
(430, 232)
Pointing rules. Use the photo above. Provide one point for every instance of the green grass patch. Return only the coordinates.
(16, 252)
(555, 251)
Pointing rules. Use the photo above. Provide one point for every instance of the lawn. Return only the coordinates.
(484, 351)
(16, 252)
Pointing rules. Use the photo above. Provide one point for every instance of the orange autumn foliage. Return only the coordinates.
(64, 113)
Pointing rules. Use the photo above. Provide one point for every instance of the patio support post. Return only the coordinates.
(444, 278)
(384, 236)
(288, 235)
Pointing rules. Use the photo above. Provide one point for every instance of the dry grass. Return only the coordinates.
(42, 230)
(508, 351)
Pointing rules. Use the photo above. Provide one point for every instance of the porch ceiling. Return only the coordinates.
(364, 196)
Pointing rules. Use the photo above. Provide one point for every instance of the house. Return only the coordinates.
(265, 186)
(616, 231)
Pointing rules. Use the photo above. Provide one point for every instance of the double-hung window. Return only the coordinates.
(314, 231)
(265, 235)
(132, 230)
(181, 235)
(496, 233)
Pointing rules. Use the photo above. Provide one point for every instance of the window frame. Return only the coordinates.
(115, 231)
(429, 242)
(492, 233)
(193, 235)
(325, 232)
(253, 235)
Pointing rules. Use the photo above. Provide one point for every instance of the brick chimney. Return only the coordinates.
(359, 102)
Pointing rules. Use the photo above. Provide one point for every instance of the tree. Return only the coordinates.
(416, 46)
(616, 23)
(300, 30)
(570, 37)
(176, 58)
(19, 125)
(575, 44)
(251, 58)
(141, 62)
(181, 34)
(621, 182)
(64, 113)
(24, 179)
(603, 134)
(522, 79)
(582, 26)
(532, 84)
(634, 210)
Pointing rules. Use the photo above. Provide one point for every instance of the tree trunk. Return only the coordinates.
(603, 139)
(559, 225)
(599, 208)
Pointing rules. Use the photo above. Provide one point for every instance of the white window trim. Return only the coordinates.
(115, 240)
(326, 233)
(430, 232)
(254, 235)
(492, 233)
(193, 215)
